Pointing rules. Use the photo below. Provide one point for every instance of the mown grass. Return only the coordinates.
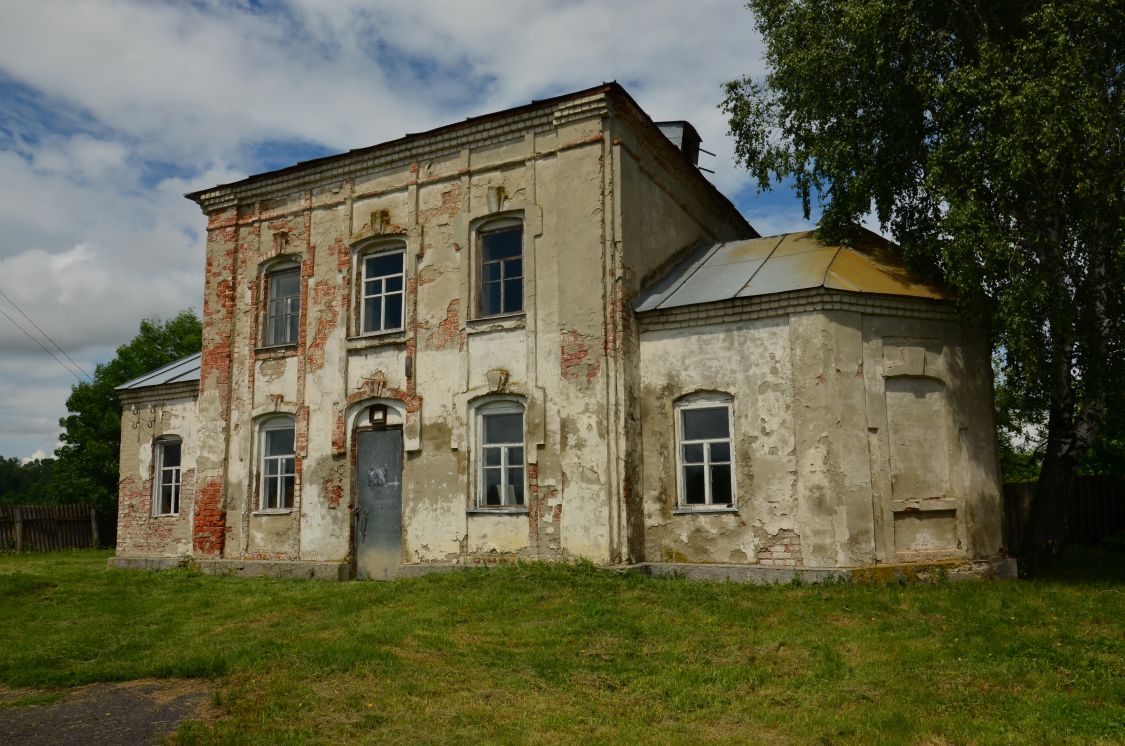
(549, 654)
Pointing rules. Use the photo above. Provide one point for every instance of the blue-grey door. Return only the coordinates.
(378, 510)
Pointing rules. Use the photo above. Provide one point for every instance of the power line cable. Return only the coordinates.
(45, 334)
(36, 341)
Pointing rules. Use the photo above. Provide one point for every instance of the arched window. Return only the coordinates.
(278, 464)
(168, 453)
(283, 305)
(501, 481)
(704, 457)
(381, 290)
(500, 245)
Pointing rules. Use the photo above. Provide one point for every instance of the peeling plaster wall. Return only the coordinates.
(751, 363)
(665, 207)
(139, 532)
(858, 439)
(559, 181)
(606, 204)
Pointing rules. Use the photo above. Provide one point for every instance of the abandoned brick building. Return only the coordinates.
(542, 333)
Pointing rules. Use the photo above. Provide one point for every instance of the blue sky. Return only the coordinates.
(110, 110)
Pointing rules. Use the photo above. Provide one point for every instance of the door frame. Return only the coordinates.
(360, 422)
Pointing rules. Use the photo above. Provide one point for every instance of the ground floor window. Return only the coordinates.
(166, 491)
(706, 464)
(501, 455)
(278, 475)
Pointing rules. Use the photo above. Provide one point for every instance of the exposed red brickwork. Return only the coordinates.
(449, 329)
(334, 492)
(339, 434)
(450, 206)
(376, 386)
(325, 300)
(782, 550)
(139, 533)
(577, 361)
(210, 521)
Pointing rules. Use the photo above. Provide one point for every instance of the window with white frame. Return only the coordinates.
(278, 464)
(501, 269)
(706, 463)
(500, 455)
(166, 473)
(283, 305)
(382, 292)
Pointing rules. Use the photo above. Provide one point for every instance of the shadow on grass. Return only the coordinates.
(1100, 564)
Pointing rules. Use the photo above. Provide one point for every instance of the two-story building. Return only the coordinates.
(543, 334)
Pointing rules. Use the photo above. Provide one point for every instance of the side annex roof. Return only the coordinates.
(185, 370)
(779, 264)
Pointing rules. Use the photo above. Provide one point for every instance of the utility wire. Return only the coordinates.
(36, 341)
(45, 334)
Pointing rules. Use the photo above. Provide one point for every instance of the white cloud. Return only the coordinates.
(118, 107)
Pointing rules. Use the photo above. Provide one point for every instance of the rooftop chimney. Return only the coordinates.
(684, 137)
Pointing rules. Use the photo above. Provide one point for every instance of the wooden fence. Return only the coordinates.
(47, 528)
(1095, 511)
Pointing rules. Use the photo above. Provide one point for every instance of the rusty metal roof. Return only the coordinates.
(181, 371)
(778, 264)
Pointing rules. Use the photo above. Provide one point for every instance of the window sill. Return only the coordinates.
(704, 510)
(513, 510)
(497, 323)
(286, 511)
(165, 515)
(381, 339)
(275, 351)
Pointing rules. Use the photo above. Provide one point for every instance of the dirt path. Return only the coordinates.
(133, 712)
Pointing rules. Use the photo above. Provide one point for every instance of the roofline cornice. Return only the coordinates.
(543, 115)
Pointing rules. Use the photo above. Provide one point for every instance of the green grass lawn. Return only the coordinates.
(549, 654)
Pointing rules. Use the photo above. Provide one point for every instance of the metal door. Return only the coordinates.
(378, 511)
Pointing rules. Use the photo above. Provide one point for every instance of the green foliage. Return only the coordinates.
(567, 654)
(26, 484)
(987, 138)
(86, 466)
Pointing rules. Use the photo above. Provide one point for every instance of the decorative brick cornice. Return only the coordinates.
(164, 392)
(796, 301)
(538, 117)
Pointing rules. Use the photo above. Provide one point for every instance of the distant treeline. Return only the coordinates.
(27, 483)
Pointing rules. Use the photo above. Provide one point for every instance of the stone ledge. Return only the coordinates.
(147, 563)
(287, 569)
(755, 574)
(1000, 569)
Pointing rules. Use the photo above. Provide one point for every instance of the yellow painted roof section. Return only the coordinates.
(791, 261)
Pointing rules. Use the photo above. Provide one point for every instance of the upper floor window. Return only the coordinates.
(501, 455)
(167, 471)
(279, 464)
(283, 306)
(501, 270)
(382, 292)
(703, 434)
